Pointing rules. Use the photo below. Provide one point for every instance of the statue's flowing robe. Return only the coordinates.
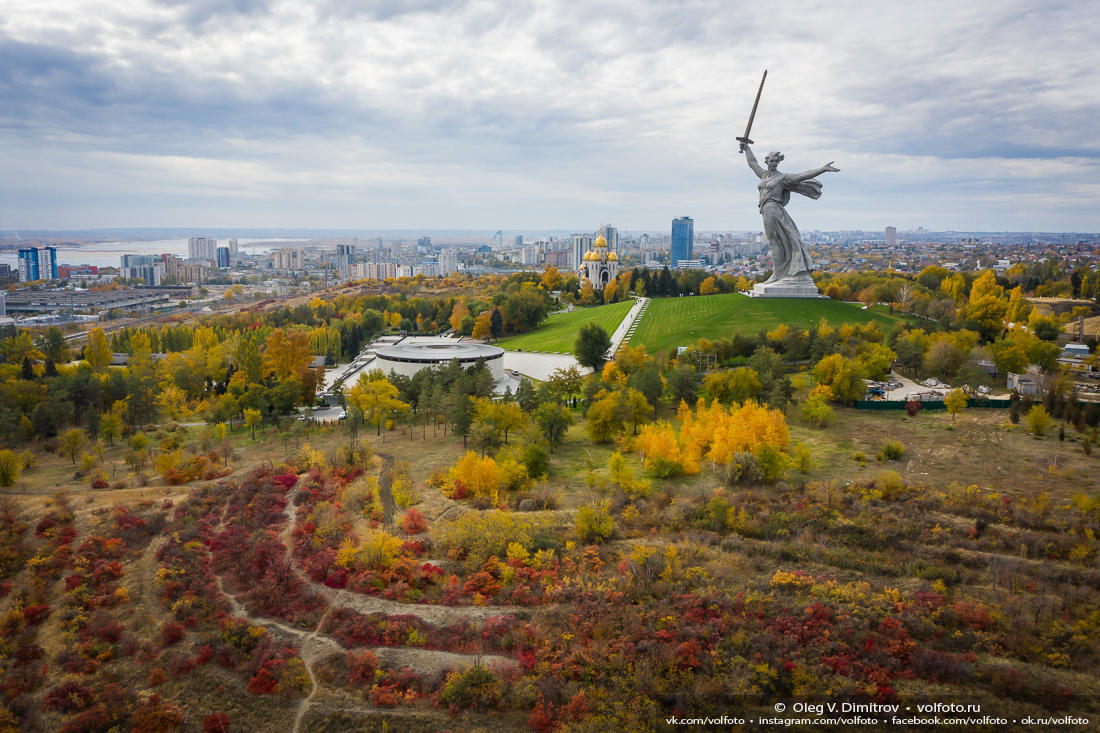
(790, 257)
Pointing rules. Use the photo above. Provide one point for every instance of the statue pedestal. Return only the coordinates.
(787, 288)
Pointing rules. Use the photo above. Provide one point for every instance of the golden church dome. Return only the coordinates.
(589, 256)
(600, 242)
(612, 257)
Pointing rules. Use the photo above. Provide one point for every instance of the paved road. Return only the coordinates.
(538, 365)
(624, 326)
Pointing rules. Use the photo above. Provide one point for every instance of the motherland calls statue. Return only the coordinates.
(791, 263)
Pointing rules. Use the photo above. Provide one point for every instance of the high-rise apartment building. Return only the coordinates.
(178, 271)
(149, 274)
(223, 256)
(448, 262)
(683, 239)
(139, 260)
(234, 248)
(201, 248)
(610, 235)
(37, 264)
(891, 236)
(345, 257)
(287, 258)
(578, 245)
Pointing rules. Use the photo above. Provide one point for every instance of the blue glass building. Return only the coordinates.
(683, 237)
(37, 264)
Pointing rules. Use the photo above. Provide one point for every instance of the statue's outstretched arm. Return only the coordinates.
(807, 175)
(751, 160)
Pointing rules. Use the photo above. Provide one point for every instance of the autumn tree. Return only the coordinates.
(594, 523)
(110, 427)
(252, 418)
(709, 286)
(842, 376)
(1038, 420)
(376, 398)
(98, 351)
(605, 417)
(286, 353)
(636, 408)
(944, 358)
(460, 312)
(588, 293)
(483, 327)
(71, 443)
(566, 384)
(503, 416)
(10, 466)
(815, 409)
(551, 279)
(478, 475)
(955, 401)
(735, 385)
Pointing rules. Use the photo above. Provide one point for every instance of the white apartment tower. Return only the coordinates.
(201, 248)
(579, 245)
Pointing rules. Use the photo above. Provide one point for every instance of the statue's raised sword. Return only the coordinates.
(744, 139)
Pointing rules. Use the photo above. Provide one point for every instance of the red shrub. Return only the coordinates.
(266, 680)
(156, 716)
(973, 614)
(286, 481)
(68, 697)
(36, 614)
(383, 697)
(361, 667)
(542, 719)
(483, 583)
(413, 522)
(95, 719)
(577, 707)
(171, 633)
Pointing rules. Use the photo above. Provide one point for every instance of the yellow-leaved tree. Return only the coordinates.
(477, 476)
(718, 434)
(376, 398)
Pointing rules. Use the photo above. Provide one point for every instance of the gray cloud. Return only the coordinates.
(610, 110)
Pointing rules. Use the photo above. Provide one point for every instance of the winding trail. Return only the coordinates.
(315, 646)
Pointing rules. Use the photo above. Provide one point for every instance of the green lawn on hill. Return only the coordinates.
(672, 322)
(559, 331)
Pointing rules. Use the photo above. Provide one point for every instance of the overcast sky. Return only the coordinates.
(450, 114)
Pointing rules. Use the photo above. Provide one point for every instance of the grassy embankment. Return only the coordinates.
(559, 331)
(672, 322)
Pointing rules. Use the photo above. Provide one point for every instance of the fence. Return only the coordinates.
(929, 405)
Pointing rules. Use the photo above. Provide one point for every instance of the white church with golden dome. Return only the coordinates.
(600, 265)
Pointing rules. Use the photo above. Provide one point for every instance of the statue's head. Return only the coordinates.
(773, 159)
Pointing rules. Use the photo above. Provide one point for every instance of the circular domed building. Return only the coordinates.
(600, 265)
(409, 358)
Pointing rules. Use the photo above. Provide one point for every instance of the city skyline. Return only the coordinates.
(256, 114)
